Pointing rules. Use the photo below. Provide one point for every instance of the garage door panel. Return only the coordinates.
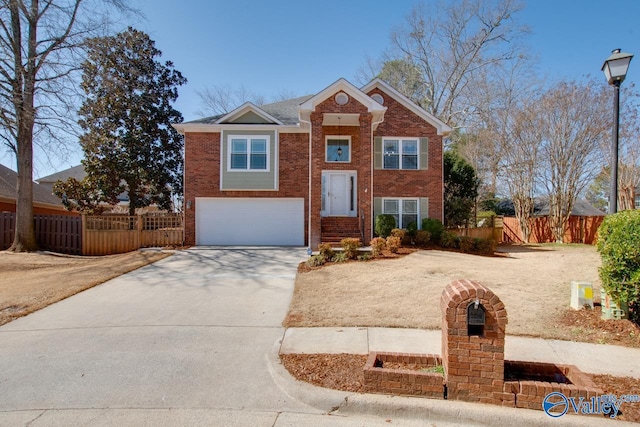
(244, 221)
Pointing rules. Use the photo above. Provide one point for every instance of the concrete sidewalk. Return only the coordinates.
(592, 358)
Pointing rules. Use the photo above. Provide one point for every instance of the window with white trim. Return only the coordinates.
(338, 149)
(404, 211)
(248, 153)
(400, 153)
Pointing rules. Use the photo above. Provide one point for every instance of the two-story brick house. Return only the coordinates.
(312, 169)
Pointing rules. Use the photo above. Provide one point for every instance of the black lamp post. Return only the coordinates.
(615, 70)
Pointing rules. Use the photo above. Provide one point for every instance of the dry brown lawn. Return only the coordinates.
(31, 281)
(532, 281)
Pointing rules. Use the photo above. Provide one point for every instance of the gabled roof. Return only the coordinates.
(9, 180)
(581, 207)
(246, 108)
(442, 127)
(76, 172)
(289, 113)
(342, 85)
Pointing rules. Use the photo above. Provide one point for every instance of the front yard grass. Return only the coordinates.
(31, 281)
(532, 281)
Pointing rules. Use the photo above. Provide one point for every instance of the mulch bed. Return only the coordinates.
(588, 326)
(345, 372)
(304, 268)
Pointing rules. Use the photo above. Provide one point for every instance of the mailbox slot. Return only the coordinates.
(475, 319)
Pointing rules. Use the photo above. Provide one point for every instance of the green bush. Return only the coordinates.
(434, 227)
(449, 240)
(364, 257)
(619, 247)
(384, 224)
(378, 244)
(422, 238)
(466, 244)
(393, 244)
(485, 246)
(412, 229)
(350, 245)
(316, 260)
(340, 257)
(327, 251)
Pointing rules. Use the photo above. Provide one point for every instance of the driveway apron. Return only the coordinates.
(190, 331)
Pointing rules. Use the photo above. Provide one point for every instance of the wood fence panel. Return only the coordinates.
(162, 237)
(494, 233)
(580, 229)
(7, 229)
(59, 233)
(112, 234)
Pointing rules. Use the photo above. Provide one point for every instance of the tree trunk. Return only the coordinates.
(23, 101)
(25, 238)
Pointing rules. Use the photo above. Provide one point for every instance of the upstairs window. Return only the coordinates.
(400, 154)
(338, 149)
(248, 153)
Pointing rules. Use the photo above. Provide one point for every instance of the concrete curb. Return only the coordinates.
(337, 402)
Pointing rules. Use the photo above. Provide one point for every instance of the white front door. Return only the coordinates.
(338, 193)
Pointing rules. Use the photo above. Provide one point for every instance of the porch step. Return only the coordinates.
(334, 229)
(340, 224)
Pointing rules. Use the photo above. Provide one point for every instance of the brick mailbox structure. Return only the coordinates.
(474, 322)
(473, 331)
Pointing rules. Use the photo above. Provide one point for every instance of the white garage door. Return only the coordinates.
(243, 221)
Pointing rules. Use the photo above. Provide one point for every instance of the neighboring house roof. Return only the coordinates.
(293, 114)
(9, 180)
(581, 207)
(76, 172)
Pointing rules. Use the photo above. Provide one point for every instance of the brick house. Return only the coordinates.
(312, 169)
(44, 202)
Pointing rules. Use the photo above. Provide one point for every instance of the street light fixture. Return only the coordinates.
(615, 70)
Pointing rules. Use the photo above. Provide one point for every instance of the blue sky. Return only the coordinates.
(302, 47)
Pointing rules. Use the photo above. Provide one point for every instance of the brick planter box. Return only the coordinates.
(530, 382)
(378, 379)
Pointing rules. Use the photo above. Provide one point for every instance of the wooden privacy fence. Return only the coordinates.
(56, 233)
(113, 234)
(98, 235)
(493, 232)
(580, 229)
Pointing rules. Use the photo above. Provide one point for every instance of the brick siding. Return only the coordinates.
(202, 165)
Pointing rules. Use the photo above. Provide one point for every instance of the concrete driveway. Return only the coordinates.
(186, 337)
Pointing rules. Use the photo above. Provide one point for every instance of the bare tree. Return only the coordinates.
(573, 120)
(223, 99)
(520, 165)
(40, 45)
(450, 43)
(629, 150)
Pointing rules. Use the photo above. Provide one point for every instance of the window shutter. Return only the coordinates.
(424, 209)
(377, 152)
(377, 208)
(424, 153)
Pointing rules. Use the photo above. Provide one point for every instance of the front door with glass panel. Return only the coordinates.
(338, 193)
